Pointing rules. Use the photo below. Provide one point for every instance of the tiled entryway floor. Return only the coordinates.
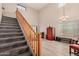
(54, 48)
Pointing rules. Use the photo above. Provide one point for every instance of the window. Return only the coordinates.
(61, 4)
(21, 6)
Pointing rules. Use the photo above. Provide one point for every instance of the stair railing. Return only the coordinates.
(33, 38)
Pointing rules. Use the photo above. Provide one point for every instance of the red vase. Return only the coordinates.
(50, 33)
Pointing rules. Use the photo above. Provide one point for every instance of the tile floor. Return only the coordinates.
(54, 48)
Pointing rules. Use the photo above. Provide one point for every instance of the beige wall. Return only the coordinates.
(0, 12)
(31, 16)
(10, 9)
(71, 10)
(48, 17)
(70, 26)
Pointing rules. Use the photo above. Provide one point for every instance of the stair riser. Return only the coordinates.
(9, 27)
(11, 40)
(8, 22)
(10, 35)
(4, 48)
(15, 53)
(26, 54)
(9, 18)
(10, 31)
(19, 52)
(4, 18)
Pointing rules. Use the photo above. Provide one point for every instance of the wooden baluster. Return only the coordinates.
(33, 38)
(30, 40)
(34, 44)
(39, 44)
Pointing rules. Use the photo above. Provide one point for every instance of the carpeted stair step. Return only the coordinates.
(9, 27)
(26, 54)
(11, 34)
(11, 39)
(9, 22)
(10, 19)
(8, 46)
(9, 30)
(15, 51)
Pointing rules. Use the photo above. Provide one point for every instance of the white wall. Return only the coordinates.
(70, 26)
(48, 17)
(10, 9)
(31, 16)
(0, 12)
(71, 10)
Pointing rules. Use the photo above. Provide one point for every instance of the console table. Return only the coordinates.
(68, 39)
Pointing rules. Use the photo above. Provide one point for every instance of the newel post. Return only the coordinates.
(39, 44)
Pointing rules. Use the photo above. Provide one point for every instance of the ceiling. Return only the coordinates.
(37, 6)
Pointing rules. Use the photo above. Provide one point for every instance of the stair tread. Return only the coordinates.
(8, 29)
(11, 43)
(10, 33)
(8, 17)
(14, 50)
(9, 23)
(11, 37)
(12, 40)
(25, 54)
(7, 26)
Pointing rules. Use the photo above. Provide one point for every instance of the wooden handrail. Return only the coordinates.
(32, 37)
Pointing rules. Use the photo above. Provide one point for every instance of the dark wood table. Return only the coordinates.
(70, 40)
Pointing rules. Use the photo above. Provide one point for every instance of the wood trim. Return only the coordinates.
(27, 22)
(33, 37)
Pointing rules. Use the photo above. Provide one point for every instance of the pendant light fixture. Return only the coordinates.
(64, 17)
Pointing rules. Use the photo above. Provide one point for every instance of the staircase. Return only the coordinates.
(12, 40)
